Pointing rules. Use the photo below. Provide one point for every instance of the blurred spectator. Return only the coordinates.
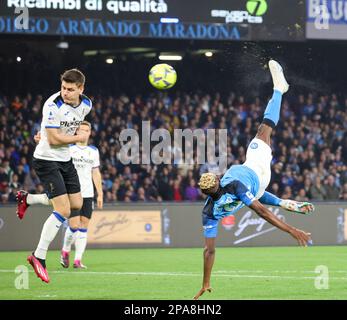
(301, 196)
(343, 195)
(151, 191)
(192, 192)
(287, 194)
(177, 195)
(317, 190)
(332, 191)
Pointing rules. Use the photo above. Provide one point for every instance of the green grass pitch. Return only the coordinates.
(170, 274)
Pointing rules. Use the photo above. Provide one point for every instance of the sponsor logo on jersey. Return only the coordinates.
(82, 160)
(230, 204)
(68, 124)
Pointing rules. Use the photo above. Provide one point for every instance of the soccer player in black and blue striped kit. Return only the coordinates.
(244, 185)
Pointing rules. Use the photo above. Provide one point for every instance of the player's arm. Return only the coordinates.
(55, 137)
(51, 120)
(209, 255)
(301, 236)
(96, 174)
(37, 137)
(249, 200)
(289, 205)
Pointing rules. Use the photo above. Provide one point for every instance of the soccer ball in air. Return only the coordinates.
(162, 76)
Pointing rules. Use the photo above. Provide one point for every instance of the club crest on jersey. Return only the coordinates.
(254, 145)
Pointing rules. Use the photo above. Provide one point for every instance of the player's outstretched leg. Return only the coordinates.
(273, 109)
(25, 199)
(22, 204)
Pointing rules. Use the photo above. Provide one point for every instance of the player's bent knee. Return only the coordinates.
(61, 204)
(77, 204)
(63, 210)
(74, 222)
(74, 225)
(84, 222)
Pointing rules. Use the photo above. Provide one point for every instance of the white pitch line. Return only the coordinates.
(276, 271)
(182, 274)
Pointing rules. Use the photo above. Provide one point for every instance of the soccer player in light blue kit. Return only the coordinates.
(244, 185)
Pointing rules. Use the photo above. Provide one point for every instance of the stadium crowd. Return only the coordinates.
(309, 144)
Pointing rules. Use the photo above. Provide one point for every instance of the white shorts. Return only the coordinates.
(258, 158)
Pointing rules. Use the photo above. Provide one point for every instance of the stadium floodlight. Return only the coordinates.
(169, 20)
(209, 54)
(170, 58)
(19, 59)
(109, 60)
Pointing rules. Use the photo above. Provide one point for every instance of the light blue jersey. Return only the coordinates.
(243, 174)
(239, 186)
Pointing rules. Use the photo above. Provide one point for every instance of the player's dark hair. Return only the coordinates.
(73, 76)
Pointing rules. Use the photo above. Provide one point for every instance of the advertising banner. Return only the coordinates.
(178, 19)
(125, 227)
(326, 19)
(177, 225)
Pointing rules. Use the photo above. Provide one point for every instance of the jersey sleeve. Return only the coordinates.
(88, 109)
(87, 105)
(270, 199)
(240, 190)
(50, 114)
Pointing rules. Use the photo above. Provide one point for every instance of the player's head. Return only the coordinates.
(209, 183)
(86, 127)
(72, 85)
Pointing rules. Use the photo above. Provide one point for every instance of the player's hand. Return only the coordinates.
(100, 202)
(201, 292)
(302, 237)
(37, 137)
(82, 137)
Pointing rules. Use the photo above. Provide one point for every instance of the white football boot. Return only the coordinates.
(296, 206)
(278, 79)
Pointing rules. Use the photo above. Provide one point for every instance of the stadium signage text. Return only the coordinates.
(336, 10)
(143, 6)
(247, 221)
(326, 19)
(106, 227)
(236, 16)
(112, 28)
